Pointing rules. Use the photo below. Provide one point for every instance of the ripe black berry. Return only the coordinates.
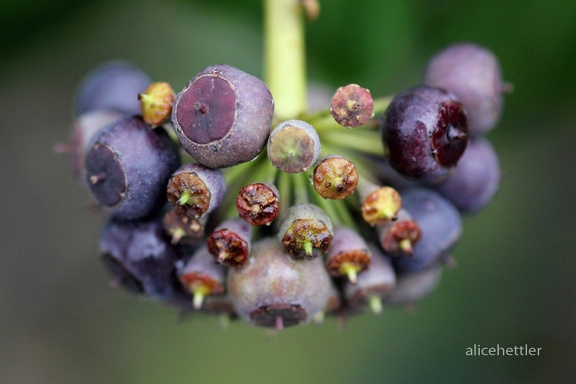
(223, 116)
(425, 133)
(127, 168)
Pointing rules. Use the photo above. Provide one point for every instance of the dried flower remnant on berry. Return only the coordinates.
(335, 177)
(257, 203)
(398, 237)
(381, 205)
(373, 284)
(352, 106)
(230, 242)
(306, 232)
(195, 190)
(156, 103)
(202, 277)
(348, 254)
(183, 229)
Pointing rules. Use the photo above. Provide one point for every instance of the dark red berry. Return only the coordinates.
(425, 133)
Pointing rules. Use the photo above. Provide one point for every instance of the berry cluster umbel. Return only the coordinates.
(216, 206)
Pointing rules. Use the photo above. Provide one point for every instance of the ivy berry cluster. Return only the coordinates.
(219, 203)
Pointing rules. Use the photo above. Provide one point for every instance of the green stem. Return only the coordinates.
(284, 56)
(300, 188)
(361, 140)
(285, 192)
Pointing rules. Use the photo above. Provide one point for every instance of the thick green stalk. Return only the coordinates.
(284, 56)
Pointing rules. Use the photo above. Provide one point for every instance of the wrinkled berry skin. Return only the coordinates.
(425, 133)
(472, 73)
(113, 86)
(141, 259)
(223, 116)
(127, 168)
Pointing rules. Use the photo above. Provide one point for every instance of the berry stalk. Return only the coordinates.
(284, 56)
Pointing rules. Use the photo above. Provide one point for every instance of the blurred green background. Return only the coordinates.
(514, 285)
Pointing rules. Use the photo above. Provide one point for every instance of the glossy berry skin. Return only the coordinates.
(273, 290)
(223, 116)
(472, 73)
(475, 181)
(425, 133)
(114, 86)
(128, 166)
(440, 229)
(141, 259)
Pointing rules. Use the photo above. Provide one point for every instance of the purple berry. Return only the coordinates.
(223, 116)
(85, 128)
(476, 179)
(373, 284)
(128, 166)
(140, 258)
(425, 133)
(274, 290)
(440, 229)
(472, 73)
(115, 86)
(348, 254)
